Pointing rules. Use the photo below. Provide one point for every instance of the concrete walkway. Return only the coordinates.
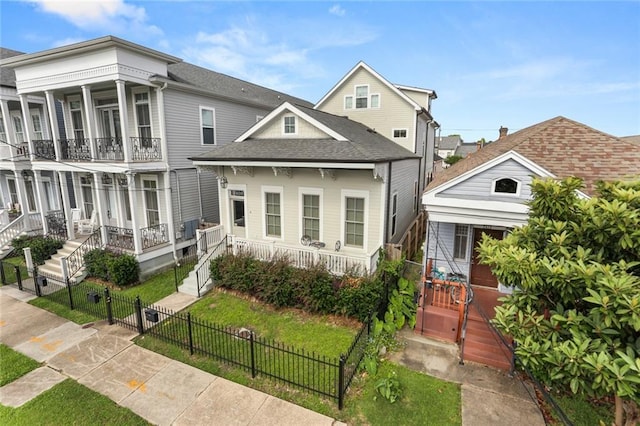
(489, 397)
(103, 357)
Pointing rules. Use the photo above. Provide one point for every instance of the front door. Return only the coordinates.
(481, 274)
(236, 205)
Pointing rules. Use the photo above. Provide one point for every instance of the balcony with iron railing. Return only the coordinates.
(145, 149)
(110, 148)
(75, 149)
(141, 149)
(44, 149)
(123, 238)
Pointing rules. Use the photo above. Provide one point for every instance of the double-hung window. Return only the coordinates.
(37, 126)
(150, 187)
(311, 216)
(207, 123)
(144, 118)
(460, 242)
(290, 125)
(3, 133)
(354, 224)
(75, 108)
(362, 97)
(19, 130)
(273, 218)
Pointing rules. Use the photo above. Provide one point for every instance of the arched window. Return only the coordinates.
(506, 186)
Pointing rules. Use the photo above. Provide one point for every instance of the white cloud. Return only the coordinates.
(337, 10)
(113, 16)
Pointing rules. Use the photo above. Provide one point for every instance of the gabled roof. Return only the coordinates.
(448, 142)
(465, 149)
(563, 147)
(633, 139)
(392, 87)
(229, 87)
(7, 75)
(352, 142)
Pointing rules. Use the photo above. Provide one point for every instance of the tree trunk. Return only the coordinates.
(619, 411)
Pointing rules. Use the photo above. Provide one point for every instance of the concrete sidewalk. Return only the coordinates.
(489, 396)
(102, 357)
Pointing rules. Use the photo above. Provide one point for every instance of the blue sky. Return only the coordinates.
(491, 63)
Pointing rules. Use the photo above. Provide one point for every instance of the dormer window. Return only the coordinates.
(290, 125)
(506, 186)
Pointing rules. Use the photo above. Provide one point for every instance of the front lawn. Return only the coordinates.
(322, 334)
(69, 403)
(8, 265)
(14, 365)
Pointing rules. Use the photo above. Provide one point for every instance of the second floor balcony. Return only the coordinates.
(106, 149)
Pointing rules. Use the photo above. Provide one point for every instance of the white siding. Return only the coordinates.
(275, 129)
(394, 112)
(440, 249)
(480, 185)
(290, 202)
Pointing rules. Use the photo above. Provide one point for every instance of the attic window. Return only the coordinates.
(506, 186)
(290, 125)
(399, 133)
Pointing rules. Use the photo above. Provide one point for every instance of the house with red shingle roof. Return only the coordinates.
(488, 191)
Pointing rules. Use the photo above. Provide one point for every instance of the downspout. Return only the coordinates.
(199, 193)
(387, 202)
(175, 172)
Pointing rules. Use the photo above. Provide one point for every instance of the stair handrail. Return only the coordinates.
(202, 272)
(75, 260)
(5, 234)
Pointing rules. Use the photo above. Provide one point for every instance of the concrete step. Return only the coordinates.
(493, 359)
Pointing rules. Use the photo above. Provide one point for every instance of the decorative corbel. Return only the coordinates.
(242, 170)
(286, 171)
(328, 172)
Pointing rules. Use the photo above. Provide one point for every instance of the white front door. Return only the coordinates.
(237, 213)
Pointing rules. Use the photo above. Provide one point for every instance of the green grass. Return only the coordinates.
(425, 400)
(151, 290)
(69, 403)
(63, 311)
(9, 270)
(581, 411)
(14, 365)
(320, 334)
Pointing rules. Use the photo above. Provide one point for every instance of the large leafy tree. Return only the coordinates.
(575, 310)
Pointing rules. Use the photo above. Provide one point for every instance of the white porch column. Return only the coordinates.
(50, 110)
(26, 123)
(37, 183)
(8, 128)
(66, 203)
(99, 197)
(135, 220)
(22, 196)
(124, 120)
(91, 130)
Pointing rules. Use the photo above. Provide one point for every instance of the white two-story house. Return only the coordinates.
(132, 117)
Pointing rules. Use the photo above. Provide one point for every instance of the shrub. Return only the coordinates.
(124, 270)
(41, 247)
(97, 263)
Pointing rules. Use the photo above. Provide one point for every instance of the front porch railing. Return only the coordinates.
(154, 235)
(75, 261)
(304, 257)
(119, 238)
(109, 149)
(75, 149)
(56, 225)
(44, 149)
(145, 149)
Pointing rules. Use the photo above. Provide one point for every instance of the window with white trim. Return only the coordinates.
(143, 118)
(31, 195)
(506, 186)
(460, 241)
(273, 220)
(19, 130)
(311, 216)
(13, 192)
(399, 133)
(75, 108)
(394, 213)
(362, 97)
(36, 121)
(348, 102)
(208, 125)
(375, 100)
(289, 124)
(354, 223)
(87, 195)
(151, 204)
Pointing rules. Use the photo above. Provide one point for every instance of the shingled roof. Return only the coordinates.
(363, 145)
(563, 147)
(7, 75)
(230, 87)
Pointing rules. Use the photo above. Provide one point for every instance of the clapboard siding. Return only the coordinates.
(332, 203)
(209, 187)
(440, 247)
(183, 132)
(394, 112)
(403, 175)
(480, 185)
(275, 129)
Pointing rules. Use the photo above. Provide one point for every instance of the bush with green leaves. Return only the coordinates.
(42, 248)
(97, 263)
(389, 388)
(313, 289)
(575, 310)
(124, 270)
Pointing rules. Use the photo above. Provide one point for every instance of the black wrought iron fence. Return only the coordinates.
(12, 273)
(75, 261)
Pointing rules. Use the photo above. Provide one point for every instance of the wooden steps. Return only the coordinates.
(483, 346)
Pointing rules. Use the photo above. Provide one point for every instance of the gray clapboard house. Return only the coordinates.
(132, 117)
